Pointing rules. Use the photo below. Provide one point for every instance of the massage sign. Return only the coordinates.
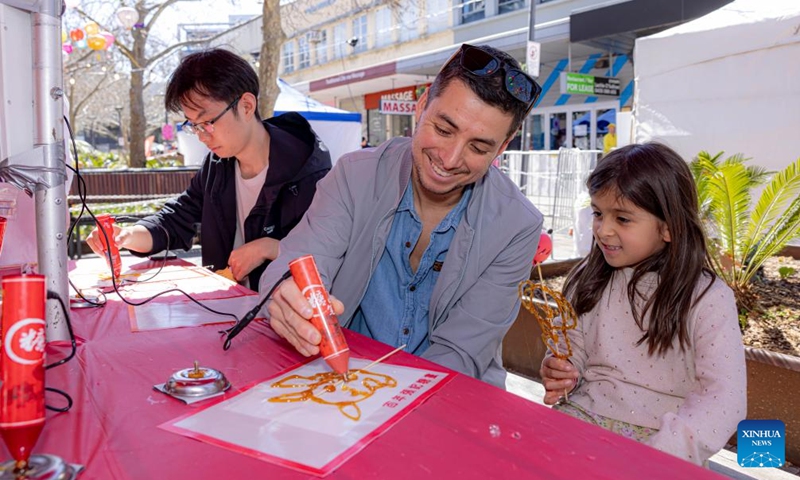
(402, 102)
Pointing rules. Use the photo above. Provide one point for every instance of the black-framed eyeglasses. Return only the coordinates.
(206, 127)
(481, 63)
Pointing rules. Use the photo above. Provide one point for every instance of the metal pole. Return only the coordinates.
(526, 143)
(50, 202)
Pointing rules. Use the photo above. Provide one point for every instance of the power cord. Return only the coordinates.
(245, 321)
(54, 296)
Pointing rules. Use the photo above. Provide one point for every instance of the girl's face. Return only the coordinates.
(625, 233)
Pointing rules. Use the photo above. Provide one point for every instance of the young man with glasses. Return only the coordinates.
(254, 185)
(420, 240)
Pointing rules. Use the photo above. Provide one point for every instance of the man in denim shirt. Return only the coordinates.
(421, 241)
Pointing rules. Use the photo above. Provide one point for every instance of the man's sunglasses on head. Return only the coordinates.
(481, 63)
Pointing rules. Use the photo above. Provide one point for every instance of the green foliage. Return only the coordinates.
(786, 272)
(741, 239)
(88, 157)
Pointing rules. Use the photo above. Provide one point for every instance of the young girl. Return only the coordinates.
(657, 355)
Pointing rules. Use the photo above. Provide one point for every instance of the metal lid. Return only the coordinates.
(197, 382)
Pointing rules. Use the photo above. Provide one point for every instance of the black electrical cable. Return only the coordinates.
(54, 296)
(241, 324)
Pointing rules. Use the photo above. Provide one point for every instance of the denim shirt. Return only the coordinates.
(394, 309)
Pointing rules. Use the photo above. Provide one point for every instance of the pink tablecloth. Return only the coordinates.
(113, 427)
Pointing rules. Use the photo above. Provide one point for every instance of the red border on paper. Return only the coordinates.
(339, 459)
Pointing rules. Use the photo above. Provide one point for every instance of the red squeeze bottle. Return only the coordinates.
(106, 223)
(333, 346)
(22, 364)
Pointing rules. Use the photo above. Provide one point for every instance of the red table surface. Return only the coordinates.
(113, 431)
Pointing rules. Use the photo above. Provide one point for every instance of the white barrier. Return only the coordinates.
(554, 181)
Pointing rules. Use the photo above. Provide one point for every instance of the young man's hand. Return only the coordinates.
(290, 314)
(246, 258)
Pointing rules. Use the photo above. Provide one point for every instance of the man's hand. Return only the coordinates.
(290, 315)
(558, 377)
(246, 258)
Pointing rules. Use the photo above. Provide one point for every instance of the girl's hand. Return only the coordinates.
(558, 377)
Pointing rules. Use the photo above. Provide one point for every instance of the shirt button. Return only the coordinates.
(412, 288)
(405, 331)
(408, 244)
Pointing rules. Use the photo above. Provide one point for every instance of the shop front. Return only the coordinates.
(390, 113)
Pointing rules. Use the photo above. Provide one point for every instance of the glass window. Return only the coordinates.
(581, 130)
(383, 26)
(558, 130)
(288, 56)
(472, 10)
(438, 15)
(303, 53)
(360, 32)
(505, 6)
(409, 18)
(321, 41)
(339, 39)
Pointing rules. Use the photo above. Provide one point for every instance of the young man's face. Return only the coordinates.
(224, 139)
(457, 137)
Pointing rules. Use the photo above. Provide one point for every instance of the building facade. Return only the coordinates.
(376, 57)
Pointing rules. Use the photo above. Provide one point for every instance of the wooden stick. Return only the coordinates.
(337, 384)
(384, 357)
(544, 296)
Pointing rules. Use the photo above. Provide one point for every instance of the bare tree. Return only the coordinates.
(143, 52)
(270, 56)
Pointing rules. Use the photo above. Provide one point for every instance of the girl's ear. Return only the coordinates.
(665, 232)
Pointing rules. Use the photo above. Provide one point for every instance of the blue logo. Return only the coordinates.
(761, 443)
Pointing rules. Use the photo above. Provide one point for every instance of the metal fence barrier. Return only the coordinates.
(552, 180)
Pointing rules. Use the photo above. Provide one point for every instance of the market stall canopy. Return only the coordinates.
(695, 83)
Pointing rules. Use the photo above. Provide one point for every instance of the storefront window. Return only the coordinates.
(580, 130)
(534, 133)
(558, 130)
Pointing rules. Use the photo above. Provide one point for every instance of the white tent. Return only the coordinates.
(727, 81)
(339, 130)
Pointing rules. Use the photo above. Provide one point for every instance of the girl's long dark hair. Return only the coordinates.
(656, 179)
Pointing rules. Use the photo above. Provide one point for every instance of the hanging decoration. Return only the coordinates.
(91, 28)
(96, 42)
(81, 44)
(127, 17)
(76, 34)
(67, 48)
(109, 37)
(64, 36)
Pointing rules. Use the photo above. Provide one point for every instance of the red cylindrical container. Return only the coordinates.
(3, 222)
(106, 222)
(22, 364)
(333, 346)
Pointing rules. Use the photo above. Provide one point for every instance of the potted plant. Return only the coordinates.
(742, 239)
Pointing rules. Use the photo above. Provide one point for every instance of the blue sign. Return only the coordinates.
(761, 443)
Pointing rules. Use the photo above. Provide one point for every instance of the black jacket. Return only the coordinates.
(298, 159)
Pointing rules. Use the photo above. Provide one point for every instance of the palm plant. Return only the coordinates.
(741, 239)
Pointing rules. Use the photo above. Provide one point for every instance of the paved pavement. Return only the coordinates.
(723, 462)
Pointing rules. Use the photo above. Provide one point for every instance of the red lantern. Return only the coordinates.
(22, 364)
(76, 34)
(544, 249)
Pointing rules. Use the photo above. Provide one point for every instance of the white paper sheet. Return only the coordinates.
(312, 435)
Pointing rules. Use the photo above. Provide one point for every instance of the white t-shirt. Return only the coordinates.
(247, 190)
